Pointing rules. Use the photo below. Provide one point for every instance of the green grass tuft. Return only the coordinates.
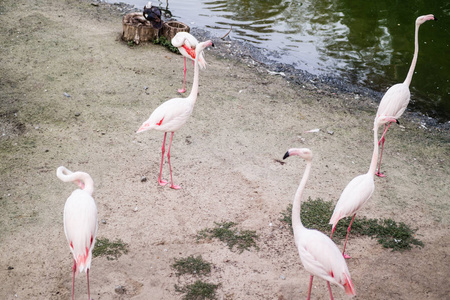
(112, 250)
(166, 43)
(199, 290)
(315, 214)
(225, 232)
(192, 265)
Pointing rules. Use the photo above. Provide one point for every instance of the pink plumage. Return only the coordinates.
(186, 44)
(80, 221)
(173, 114)
(319, 254)
(359, 190)
(397, 97)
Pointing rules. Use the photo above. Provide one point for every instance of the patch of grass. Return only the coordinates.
(112, 250)
(199, 290)
(166, 43)
(192, 265)
(225, 232)
(315, 214)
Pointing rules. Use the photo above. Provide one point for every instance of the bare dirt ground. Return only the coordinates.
(224, 158)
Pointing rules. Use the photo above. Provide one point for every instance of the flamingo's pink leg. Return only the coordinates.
(310, 286)
(329, 288)
(348, 232)
(176, 187)
(163, 149)
(89, 293)
(378, 173)
(184, 78)
(73, 278)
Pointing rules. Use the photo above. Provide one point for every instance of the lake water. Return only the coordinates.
(370, 43)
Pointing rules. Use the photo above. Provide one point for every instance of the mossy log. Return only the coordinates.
(137, 29)
(171, 28)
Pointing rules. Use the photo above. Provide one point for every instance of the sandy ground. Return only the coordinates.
(224, 158)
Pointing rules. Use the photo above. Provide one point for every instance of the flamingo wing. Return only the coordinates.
(169, 116)
(80, 227)
(321, 257)
(355, 194)
(395, 101)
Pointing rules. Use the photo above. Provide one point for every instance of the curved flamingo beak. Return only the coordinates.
(286, 155)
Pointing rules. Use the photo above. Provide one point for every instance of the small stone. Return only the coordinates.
(282, 277)
(77, 114)
(103, 221)
(135, 209)
(120, 289)
(10, 268)
(66, 94)
(143, 179)
(330, 132)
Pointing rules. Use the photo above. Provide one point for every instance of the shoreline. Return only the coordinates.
(250, 54)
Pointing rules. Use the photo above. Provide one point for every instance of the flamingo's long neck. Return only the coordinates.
(414, 61)
(194, 91)
(68, 176)
(296, 221)
(373, 162)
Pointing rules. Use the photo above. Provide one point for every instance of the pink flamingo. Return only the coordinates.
(80, 221)
(397, 97)
(319, 254)
(174, 113)
(360, 188)
(186, 44)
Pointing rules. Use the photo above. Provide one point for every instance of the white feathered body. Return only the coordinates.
(80, 227)
(354, 196)
(321, 257)
(395, 101)
(169, 116)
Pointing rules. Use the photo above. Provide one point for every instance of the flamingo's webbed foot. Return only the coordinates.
(181, 91)
(379, 174)
(162, 182)
(175, 187)
(346, 256)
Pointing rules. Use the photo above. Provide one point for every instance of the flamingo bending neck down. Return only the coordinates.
(80, 221)
(174, 113)
(319, 254)
(360, 188)
(186, 44)
(397, 97)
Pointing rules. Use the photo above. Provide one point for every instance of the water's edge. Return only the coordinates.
(255, 56)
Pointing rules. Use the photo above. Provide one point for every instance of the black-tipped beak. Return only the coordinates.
(286, 155)
(435, 18)
(212, 44)
(396, 121)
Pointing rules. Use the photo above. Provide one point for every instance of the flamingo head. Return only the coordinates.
(304, 153)
(422, 19)
(144, 127)
(381, 120)
(201, 46)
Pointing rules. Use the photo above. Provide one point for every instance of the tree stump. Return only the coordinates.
(136, 28)
(171, 28)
